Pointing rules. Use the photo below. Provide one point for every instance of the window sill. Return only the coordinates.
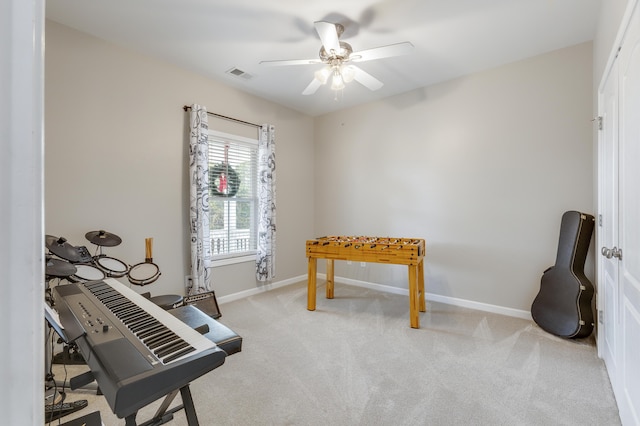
(233, 260)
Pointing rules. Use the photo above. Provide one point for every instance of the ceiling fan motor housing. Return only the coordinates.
(342, 55)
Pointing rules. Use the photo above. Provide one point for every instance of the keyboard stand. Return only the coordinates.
(163, 416)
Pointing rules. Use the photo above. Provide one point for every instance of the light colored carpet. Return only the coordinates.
(356, 361)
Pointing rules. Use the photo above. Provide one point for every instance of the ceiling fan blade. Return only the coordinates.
(312, 87)
(366, 79)
(328, 35)
(397, 49)
(278, 63)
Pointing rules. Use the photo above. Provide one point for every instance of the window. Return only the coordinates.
(233, 200)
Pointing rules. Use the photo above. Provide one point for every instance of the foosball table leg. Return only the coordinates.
(329, 278)
(312, 268)
(414, 297)
(421, 295)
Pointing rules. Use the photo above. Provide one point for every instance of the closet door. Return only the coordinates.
(607, 235)
(629, 175)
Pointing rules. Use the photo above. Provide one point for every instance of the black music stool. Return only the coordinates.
(218, 333)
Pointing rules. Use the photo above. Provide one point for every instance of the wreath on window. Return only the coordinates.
(223, 180)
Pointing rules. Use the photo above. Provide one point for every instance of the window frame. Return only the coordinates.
(216, 137)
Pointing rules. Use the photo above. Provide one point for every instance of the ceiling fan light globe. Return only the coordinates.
(348, 74)
(336, 82)
(323, 75)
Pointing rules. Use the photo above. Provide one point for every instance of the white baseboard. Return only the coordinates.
(479, 306)
(261, 289)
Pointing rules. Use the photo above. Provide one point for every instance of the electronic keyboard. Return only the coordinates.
(137, 352)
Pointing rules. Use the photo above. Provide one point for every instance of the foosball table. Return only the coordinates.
(402, 251)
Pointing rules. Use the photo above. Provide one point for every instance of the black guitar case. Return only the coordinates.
(563, 304)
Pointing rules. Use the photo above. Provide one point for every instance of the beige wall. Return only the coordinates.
(482, 167)
(116, 157)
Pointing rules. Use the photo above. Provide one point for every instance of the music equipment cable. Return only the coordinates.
(55, 410)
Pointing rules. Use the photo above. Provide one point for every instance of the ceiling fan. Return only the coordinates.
(337, 56)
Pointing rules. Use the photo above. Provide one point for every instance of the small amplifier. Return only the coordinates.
(206, 302)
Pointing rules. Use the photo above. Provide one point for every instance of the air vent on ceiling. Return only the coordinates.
(239, 73)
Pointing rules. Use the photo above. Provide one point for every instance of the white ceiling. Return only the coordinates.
(451, 38)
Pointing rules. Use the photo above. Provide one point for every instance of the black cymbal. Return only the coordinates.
(103, 238)
(61, 248)
(59, 268)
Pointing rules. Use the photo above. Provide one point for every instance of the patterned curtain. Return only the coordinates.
(266, 257)
(201, 253)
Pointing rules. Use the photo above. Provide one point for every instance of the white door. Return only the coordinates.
(619, 233)
(629, 273)
(607, 235)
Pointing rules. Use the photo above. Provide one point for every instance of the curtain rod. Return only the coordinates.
(187, 108)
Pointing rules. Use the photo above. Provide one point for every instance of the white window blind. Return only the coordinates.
(233, 199)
